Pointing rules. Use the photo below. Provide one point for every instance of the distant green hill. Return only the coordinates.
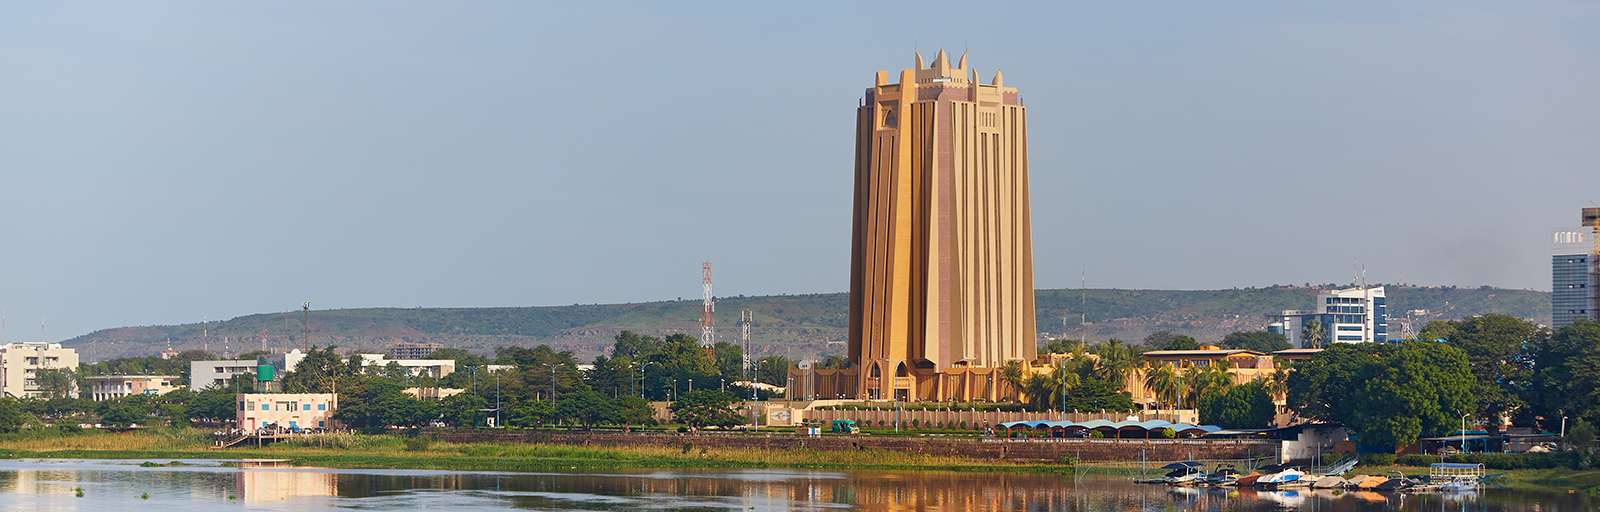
(792, 325)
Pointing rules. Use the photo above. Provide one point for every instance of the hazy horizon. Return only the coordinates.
(166, 161)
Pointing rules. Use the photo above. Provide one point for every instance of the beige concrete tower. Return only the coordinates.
(941, 279)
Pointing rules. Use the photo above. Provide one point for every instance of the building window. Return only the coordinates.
(266, 407)
(322, 407)
(241, 406)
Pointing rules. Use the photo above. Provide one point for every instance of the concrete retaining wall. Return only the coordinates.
(1087, 450)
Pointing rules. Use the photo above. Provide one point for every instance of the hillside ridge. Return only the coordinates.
(797, 326)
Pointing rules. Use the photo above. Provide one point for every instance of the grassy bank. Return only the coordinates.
(361, 451)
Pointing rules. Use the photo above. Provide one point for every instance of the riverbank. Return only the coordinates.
(354, 451)
(386, 451)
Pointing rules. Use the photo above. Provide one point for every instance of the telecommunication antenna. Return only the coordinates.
(1083, 304)
(205, 334)
(707, 332)
(3, 338)
(745, 317)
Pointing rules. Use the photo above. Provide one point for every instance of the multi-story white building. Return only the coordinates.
(109, 387)
(21, 361)
(1352, 315)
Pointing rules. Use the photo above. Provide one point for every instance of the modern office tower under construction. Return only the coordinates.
(1574, 265)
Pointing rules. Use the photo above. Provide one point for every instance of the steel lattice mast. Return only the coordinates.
(707, 332)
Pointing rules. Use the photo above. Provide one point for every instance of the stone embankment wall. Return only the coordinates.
(1022, 450)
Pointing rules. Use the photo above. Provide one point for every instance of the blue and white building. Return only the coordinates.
(1352, 315)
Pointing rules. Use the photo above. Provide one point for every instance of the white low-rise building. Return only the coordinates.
(436, 368)
(110, 387)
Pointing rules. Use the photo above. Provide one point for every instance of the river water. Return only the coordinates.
(109, 485)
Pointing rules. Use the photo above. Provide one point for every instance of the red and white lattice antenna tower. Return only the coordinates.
(707, 332)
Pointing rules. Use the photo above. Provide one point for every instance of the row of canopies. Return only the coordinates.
(1108, 428)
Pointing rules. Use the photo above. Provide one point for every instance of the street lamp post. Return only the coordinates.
(1463, 432)
(553, 382)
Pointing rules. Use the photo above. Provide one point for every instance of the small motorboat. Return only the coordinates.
(1288, 477)
(1355, 480)
(1397, 482)
(1459, 484)
(1183, 473)
(1330, 482)
(1222, 476)
(1246, 480)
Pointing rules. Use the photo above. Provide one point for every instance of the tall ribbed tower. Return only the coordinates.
(941, 255)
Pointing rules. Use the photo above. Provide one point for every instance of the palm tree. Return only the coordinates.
(1012, 374)
(1164, 384)
(1278, 383)
(1117, 361)
(1312, 335)
(1047, 392)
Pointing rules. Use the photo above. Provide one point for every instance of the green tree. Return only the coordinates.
(703, 407)
(124, 412)
(1168, 340)
(322, 371)
(375, 402)
(532, 414)
(680, 360)
(586, 408)
(1247, 405)
(10, 415)
(730, 360)
(630, 410)
(54, 382)
(1313, 335)
(634, 345)
(1045, 392)
(773, 370)
(1012, 374)
(463, 410)
(1390, 393)
(1096, 395)
(1165, 384)
(213, 404)
(1117, 362)
(1259, 341)
(1500, 350)
(613, 377)
(1566, 379)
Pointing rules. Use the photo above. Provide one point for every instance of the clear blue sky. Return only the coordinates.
(161, 162)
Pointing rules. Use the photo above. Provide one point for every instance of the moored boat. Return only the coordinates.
(1330, 482)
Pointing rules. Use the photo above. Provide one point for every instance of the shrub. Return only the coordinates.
(687, 447)
(1095, 434)
(418, 443)
(1415, 460)
(915, 422)
(1378, 459)
(1169, 433)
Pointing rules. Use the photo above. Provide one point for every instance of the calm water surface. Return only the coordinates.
(204, 486)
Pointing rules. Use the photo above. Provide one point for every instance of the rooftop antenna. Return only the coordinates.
(205, 345)
(43, 336)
